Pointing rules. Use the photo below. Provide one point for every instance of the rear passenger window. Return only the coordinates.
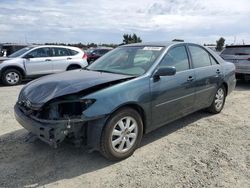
(176, 57)
(72, 52)
(200, 57)
(213, 62)
(60, 52)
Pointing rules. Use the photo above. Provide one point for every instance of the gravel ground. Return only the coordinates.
(200, 150)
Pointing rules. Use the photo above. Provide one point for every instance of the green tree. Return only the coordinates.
(129, 39)
(219, 44)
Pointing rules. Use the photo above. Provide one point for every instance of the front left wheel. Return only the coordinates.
(122, 134)
(11, 77)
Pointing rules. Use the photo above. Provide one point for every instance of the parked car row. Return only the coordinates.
(126, 93)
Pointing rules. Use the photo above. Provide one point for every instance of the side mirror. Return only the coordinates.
(28, 56)
(164, 71)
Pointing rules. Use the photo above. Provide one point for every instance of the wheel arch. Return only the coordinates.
(226, 87)
(136, 107)
(14, 67)
(73, 65)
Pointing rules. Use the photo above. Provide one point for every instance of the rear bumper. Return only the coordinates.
(242, 69)
(51, 133)
(242, 76)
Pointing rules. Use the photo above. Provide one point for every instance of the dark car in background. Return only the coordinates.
(240, 56)
(95, 53)
(8, 49)
(129, 92)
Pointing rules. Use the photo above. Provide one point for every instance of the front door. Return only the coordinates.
(38, 62)
(173, 96)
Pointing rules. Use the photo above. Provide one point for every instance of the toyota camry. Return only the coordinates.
(125, 94)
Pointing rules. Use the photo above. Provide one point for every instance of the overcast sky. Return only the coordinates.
(105, 21)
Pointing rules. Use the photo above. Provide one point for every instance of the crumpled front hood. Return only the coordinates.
(49, 87)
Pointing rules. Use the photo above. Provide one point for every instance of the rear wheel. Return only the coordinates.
(122, 134)
(219, 100)
(11, 77)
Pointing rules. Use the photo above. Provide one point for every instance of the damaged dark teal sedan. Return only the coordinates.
(128, 92)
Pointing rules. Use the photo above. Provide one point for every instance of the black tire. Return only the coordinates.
(215, 108)
(73, 67)
(16, 77)
(106, 147)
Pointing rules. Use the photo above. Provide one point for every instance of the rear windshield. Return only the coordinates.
(237, 51)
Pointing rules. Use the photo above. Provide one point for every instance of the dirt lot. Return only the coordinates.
(200, 150)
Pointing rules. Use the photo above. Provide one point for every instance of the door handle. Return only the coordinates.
(47, 59)
(69, 58)
(190, 79)
(218, 71)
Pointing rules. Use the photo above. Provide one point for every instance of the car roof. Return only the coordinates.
(51, 46)
(164, 43)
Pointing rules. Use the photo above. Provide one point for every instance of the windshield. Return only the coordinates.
(20, 52)
(89, 51)
(131, 60)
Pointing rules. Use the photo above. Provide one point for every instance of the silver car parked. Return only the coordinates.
(35, 61)
(240, 56)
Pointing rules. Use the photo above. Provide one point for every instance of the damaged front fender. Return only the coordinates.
(54, 132)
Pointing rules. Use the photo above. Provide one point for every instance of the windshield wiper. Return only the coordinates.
(105, 71)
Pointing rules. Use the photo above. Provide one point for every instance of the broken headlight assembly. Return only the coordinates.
(65, 109)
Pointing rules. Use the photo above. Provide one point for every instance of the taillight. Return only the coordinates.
(84, 56)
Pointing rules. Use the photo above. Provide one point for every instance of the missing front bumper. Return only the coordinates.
(52, 133)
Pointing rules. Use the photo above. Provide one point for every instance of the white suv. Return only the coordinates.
(35, 61)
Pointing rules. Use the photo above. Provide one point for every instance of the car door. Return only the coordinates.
(208, 74)
(61, 59)
(38, 62)
(173, 96)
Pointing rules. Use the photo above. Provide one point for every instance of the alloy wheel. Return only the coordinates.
(12, 78)
(124, 134)
(219, 99)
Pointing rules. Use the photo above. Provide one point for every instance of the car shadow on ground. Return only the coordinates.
(23, 83)
(36, 164)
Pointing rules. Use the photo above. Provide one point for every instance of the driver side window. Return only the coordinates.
(176, 57)
(40, 52)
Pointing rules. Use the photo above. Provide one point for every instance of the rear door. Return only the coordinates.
(38, 62)
(208, 74)
(173, 96)
(61, 59)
